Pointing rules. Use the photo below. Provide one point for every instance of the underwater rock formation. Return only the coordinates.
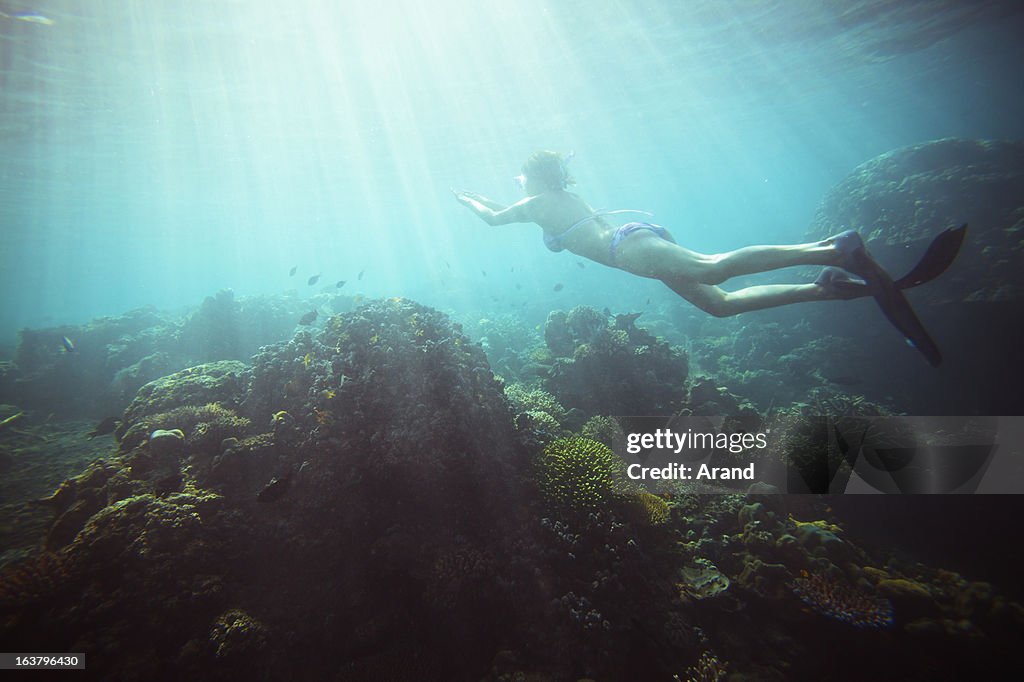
(899, 201)
(369, 472)
(47, 375)
(358, 504)
(609, 366)
(110, 358)
(508, 342)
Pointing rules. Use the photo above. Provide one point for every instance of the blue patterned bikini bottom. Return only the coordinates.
(630, 228)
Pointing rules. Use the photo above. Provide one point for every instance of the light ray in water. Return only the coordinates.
(28, 17)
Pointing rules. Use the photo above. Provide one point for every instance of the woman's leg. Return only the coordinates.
(648, 256)
(720, 303)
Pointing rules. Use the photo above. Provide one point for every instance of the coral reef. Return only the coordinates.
(836, 598)
(508, 343)
(611, 366)
(537, 412)
(387, 437)
(367, 501)
(899, 201)
(113, 357)
(707, 669)
(580, 474)
(908, 195)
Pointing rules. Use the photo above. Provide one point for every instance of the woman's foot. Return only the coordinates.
(854, 256)
(840, 285)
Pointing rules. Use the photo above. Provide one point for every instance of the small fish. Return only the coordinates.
(484, 272)
(313, 280)
(69, 345)
(307, 359)
(291, 273)
(512, 269)
(580, 264)
(559, 286)
(275, 489)
(104, 427)
(308, 318)
(449, 265)
(648, 301)
(359, 277)
(340, 283)
(28, 17)
(518, 285)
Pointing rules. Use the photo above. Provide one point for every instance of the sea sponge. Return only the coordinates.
(580, 474)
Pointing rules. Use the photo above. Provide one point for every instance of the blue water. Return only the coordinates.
(152, 153)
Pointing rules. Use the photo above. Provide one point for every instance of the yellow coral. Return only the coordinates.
(580, 474)
(655, 508)
(822, 524)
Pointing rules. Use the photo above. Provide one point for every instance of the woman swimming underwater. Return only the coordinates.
(649, 250)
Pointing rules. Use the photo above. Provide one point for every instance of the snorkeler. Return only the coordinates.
(649, 250)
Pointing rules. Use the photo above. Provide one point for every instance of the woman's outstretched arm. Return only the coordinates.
(491, 212)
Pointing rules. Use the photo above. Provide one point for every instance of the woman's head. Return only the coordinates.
(547, 171)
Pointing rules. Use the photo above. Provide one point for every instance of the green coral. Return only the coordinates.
(656, 509)
(580, 474)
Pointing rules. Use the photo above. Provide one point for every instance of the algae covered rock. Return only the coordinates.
(221, 382)
(393, 467)
(907, 196)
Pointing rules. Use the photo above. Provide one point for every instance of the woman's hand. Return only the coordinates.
(488, 210)
(464, 197)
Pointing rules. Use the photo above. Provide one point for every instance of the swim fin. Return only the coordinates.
(901, 314)
(937, 258)
(887, 294)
